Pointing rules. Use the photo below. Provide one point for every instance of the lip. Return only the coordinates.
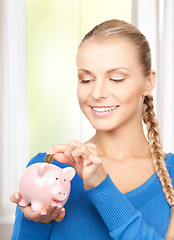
(105, 113)
(103, 106)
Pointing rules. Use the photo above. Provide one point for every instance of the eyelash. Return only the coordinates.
(85, 81)
(117, 80)
(114, 80)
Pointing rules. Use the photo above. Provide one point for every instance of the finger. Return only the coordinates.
(61, 215)
(45, 215)
(31, 215)
(94, 147)
(92, 159)
(36, 216)
(42, 216)
(57, 148)
(52, 207)
(82, 151)
(66, 149)
(60, 157)
(91, 145)
(51, 213)
(56, 213)
(15, 197)
(77, 159)
(71, 146)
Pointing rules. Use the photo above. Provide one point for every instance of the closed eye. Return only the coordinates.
(85, 81)
(117, 79)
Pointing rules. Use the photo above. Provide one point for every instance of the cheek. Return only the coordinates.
(130, 93)
(82, 94)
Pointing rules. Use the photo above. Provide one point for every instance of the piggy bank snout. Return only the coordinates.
(61, 195)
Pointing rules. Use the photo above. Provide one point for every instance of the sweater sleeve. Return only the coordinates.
(24, 229)
(122, 219)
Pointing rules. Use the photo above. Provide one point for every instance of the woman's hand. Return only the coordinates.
(84, 158)
(54, 211)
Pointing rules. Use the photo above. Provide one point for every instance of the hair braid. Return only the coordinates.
(152, 125)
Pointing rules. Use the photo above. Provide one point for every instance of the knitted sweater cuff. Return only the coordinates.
(111, 204)
(32, 230)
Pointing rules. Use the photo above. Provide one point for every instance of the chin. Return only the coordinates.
(103, 127)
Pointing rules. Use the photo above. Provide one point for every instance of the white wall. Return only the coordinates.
(13, 106)
(156, 21)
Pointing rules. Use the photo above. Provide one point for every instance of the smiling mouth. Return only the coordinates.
(103, 109)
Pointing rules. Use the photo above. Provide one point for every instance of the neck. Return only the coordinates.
(123, 142)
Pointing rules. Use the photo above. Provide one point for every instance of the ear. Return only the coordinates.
(70, 172)
(150, 83)
(45, 167)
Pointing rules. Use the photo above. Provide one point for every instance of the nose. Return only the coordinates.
(99, 90)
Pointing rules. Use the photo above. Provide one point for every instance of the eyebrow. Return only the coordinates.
(84, 70)
(109, 71)
(116, 69)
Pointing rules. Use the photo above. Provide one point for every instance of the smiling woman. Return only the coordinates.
(118, 169)
(100, 79)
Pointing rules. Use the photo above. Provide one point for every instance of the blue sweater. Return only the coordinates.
(104, 212)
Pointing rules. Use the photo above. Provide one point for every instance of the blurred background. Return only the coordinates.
(54, 31)
(38, 79)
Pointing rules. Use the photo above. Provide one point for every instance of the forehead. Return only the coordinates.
(107, 54)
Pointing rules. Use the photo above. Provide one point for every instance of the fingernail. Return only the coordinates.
(50, 151)
(85, 163)
(54, 205)
(59, 206)
(43, 213)
(62, 209)
(16, 196)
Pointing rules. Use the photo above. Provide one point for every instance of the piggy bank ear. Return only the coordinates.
(45, 167)
(69, 172)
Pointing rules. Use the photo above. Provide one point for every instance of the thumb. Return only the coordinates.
(15, 197)
(93, 160)
(60, 157)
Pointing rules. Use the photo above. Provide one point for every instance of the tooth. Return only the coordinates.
(104, 109)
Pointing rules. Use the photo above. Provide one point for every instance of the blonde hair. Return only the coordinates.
(122, 29)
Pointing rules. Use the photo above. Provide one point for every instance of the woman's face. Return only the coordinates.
(111, 83)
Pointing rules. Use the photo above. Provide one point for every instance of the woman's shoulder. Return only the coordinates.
(169, 160)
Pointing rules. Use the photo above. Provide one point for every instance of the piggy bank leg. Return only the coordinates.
(23, 203)
(36, 206)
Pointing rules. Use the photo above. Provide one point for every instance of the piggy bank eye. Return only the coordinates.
(64, 180)
(57, 178)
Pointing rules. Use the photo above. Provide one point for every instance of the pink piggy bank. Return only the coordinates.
(42, 183)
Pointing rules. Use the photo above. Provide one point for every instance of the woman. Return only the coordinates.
(122, 189)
